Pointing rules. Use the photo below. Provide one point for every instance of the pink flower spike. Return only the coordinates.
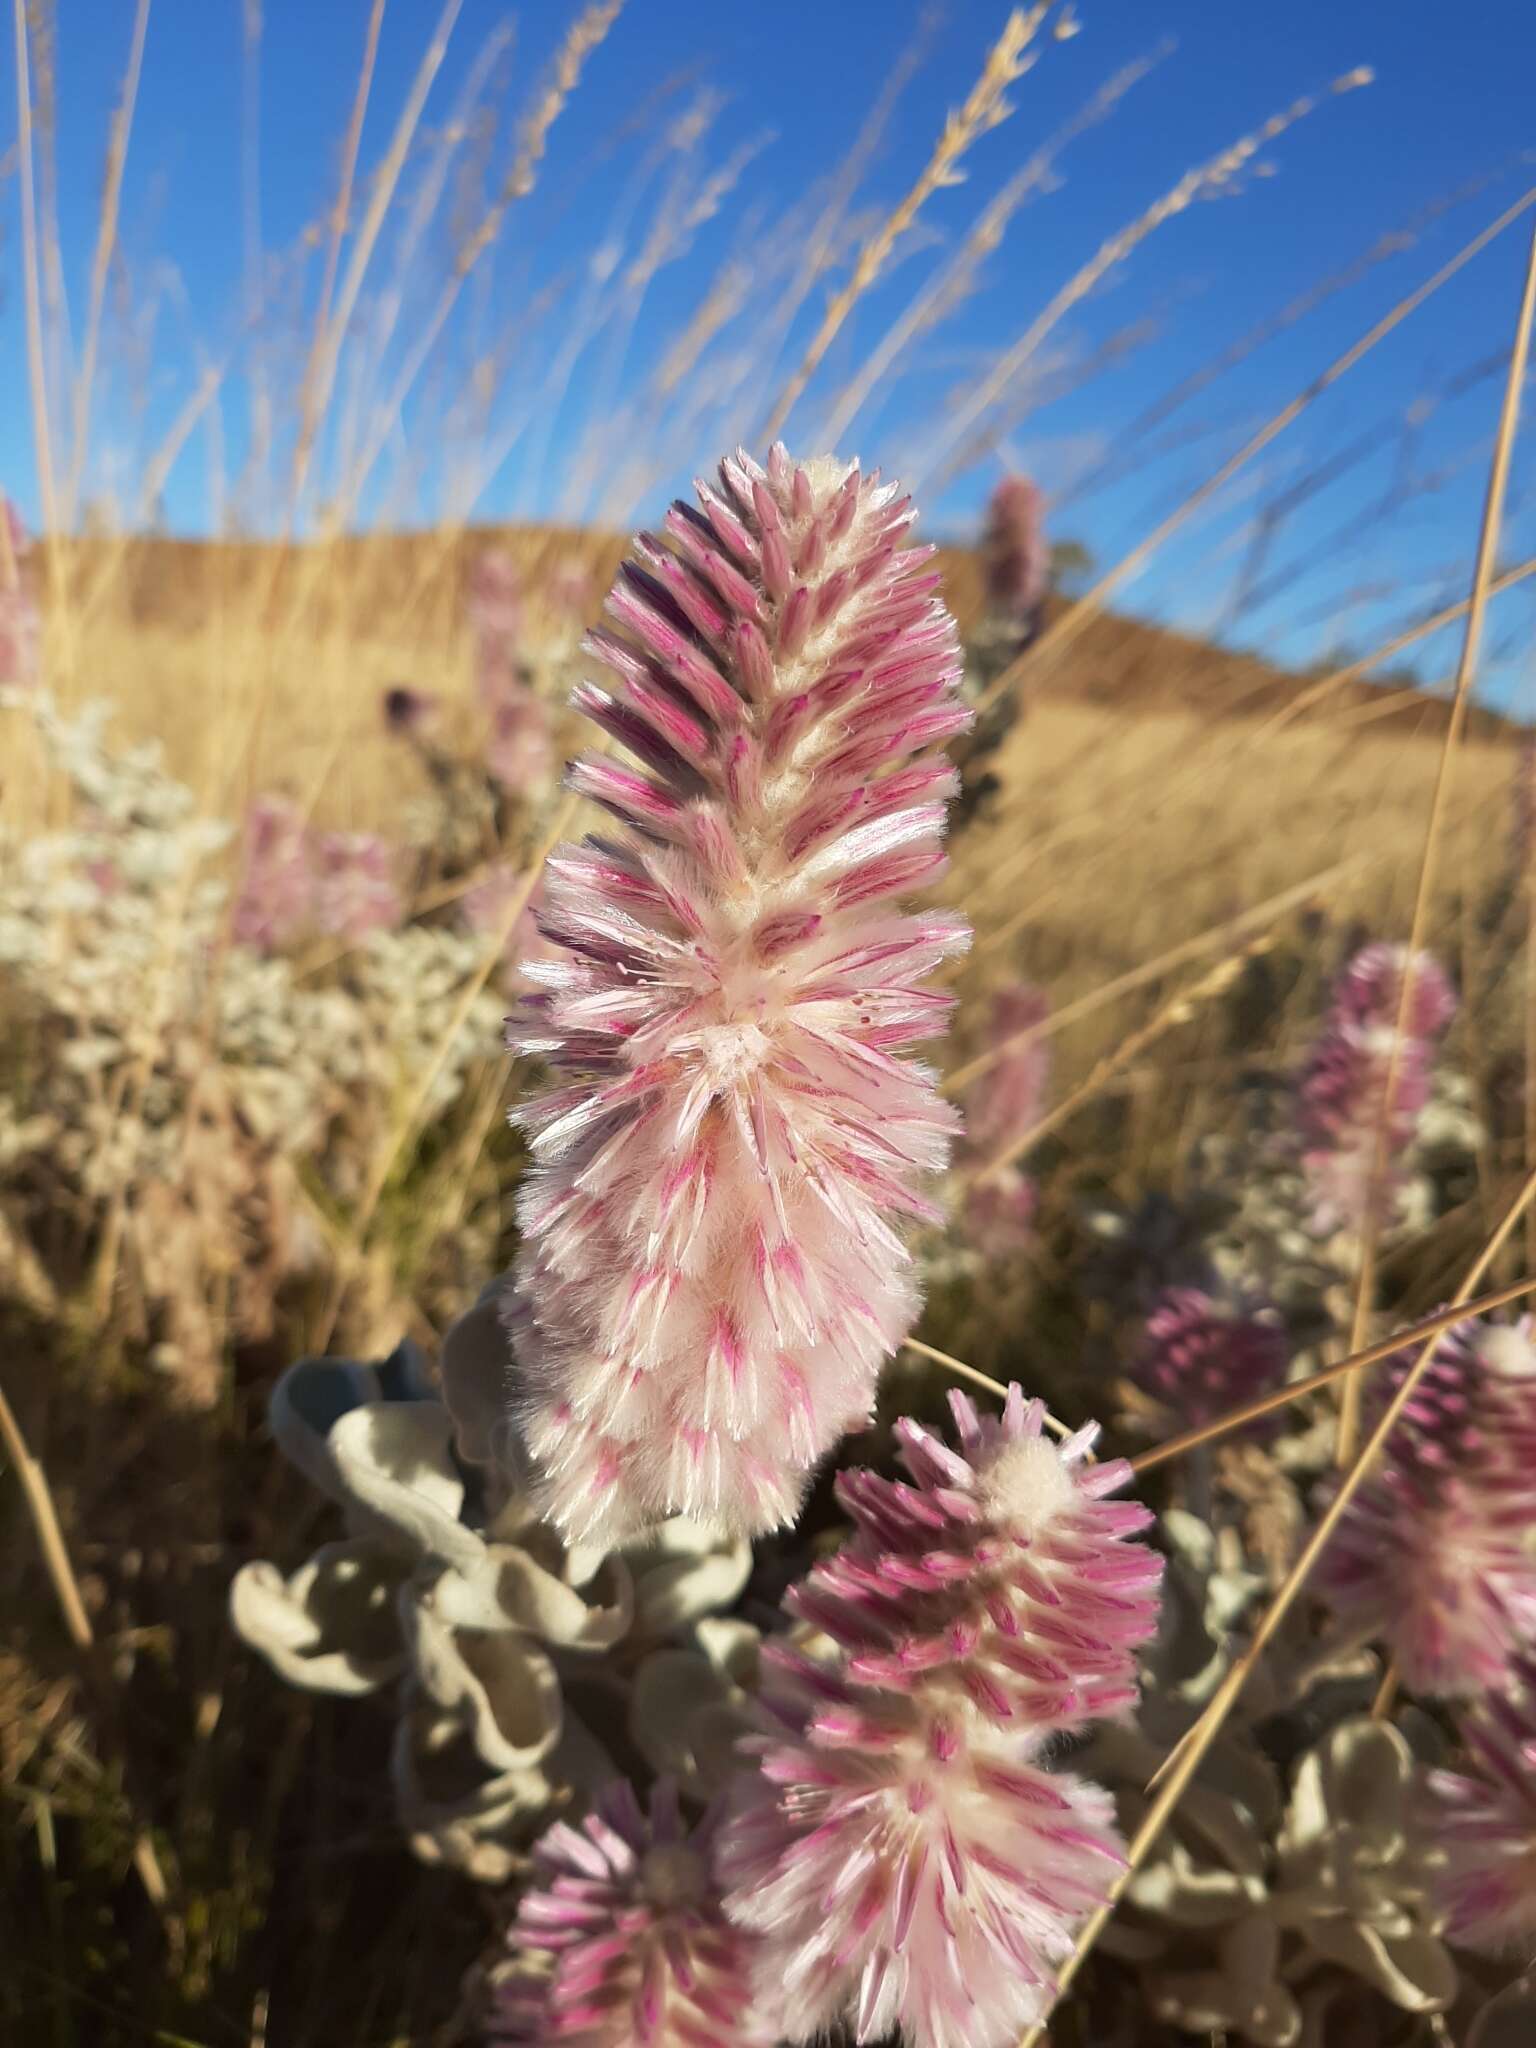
(621, 1939)
(1432, 1555)
(741, 930)
(902, 1855)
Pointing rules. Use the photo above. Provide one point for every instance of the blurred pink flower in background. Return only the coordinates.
(1007, 1099)
(496, 613)
(1201, 1357)
(275, 894)
(1433, 1555)
(1352, 1135)
(1016, 558)
(521, 751)
(355, 888)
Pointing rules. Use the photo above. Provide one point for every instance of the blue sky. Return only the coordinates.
(569, 420)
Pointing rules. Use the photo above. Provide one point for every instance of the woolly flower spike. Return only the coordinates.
(903, 1857)
(626, 1910)
(1342, 1104)
(1015, 556)
(1484, 1825)
(1201, 1357)
(711, 1265)
(1432, 1555)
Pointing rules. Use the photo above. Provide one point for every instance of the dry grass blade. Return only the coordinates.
(1466, 669)
(106, 241)
(584, 36)
(1218, 175)
(340, 214)
(977, 1378)
(385, 180)
(1066, 629)
(985, 108)
(66, 1587)
(37, 372)
(1186, 1760)
(1211, 941)
(938, 300)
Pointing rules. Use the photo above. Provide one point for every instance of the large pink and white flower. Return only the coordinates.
(712, 1264)
(622, 1940)
(1433, 1555)
(902, 1855)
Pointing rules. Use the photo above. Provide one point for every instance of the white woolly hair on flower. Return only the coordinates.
(712, 1270)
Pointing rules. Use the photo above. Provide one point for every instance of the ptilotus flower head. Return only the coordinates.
(20, 625)
(1483, 1822)
(1015, 555)
(1363, 1088)
(711, 1260)
(355, 888)
(275, 896)
(902, 1855)
(623, 1939)
(1432, 1555)
(1001, 1570)
(1201, 1356)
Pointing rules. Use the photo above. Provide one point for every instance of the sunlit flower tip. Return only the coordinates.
(1482, 1822)
(355, 888)
(1201, 1357)
(931, 1879)
(623, 1940)
(1015, 554)
(275, 895)
(1006, 1099)
(1432, 1555)
(711, 1252)
(1369, 991)
(409, 713)
(1002, 1571)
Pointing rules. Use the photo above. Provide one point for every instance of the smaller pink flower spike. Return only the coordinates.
(1432, 1555)
(1201, 1357)
(275, 896)
(902, 1855)
(1483, 1822)
(1016, 556)
(1350, 1132)
(622, 1940)
(355, 889)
